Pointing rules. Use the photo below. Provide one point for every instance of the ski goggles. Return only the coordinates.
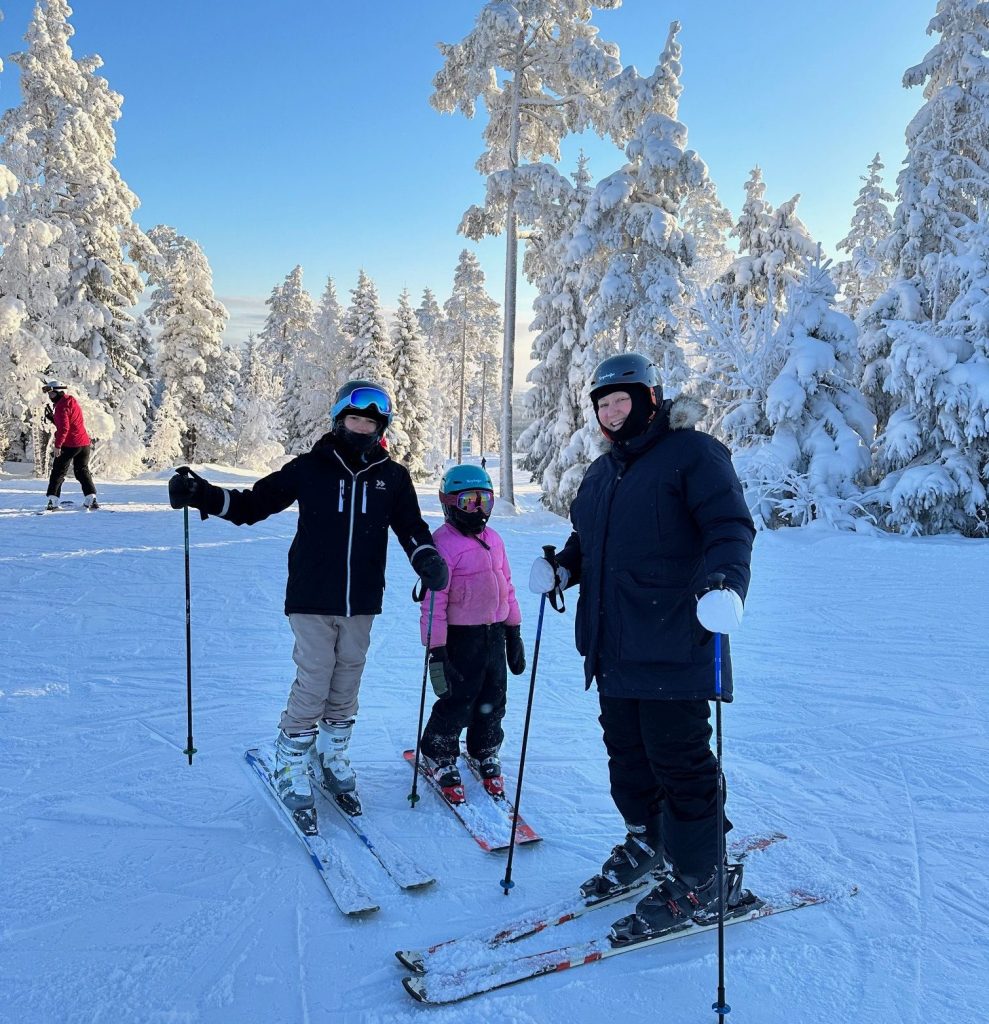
(364, 399)
(477, 500)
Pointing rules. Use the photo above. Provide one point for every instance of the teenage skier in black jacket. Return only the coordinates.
(653, 520)
(349, 492)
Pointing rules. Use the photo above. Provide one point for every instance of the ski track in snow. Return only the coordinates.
(140, 889)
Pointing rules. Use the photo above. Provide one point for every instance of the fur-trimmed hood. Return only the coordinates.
(685, 412)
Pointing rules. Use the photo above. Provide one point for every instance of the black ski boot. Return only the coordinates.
(446, 775)
(677, 903)
(640, 854)
(489, 768)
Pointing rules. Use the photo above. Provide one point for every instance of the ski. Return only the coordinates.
(487, 818)
(343, 885)
(403, 870)
(479, 978)
(551, 915)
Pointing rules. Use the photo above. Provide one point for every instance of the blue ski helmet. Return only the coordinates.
(467, 498)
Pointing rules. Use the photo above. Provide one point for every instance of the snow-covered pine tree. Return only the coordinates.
(307, 377)
(23, 357)
(745, 280)
(65, 124)
(632, 252)
(331, 346)
(865, 275)
(915, 359)
(369, 354)
(538, 67)
(811, 461)
(442, 400)
(258, 423)
(473, 323)
(167, 430)
(554, 207)
(189, 344)
(289, 345)
(217, 437)
(412, 429)
(708, 222)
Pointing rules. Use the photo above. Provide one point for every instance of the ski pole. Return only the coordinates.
(190, 749)
(720, 1007)
(414, 795)
(549, 553)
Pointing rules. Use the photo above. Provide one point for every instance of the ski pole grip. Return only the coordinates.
(717, 580)
(549, 553)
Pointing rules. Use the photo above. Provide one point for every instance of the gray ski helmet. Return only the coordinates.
(363, 398)
(626, 368)
(52, 385)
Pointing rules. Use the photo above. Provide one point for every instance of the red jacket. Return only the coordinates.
(70, 431)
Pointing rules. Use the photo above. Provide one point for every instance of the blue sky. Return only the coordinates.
(301, 132)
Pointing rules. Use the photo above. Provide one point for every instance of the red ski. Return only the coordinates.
(487, 818)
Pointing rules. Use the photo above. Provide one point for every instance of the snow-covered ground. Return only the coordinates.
(139, 889)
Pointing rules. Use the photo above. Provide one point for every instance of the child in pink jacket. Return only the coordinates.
(476, 625)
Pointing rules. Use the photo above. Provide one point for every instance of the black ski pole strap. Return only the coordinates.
(418, 591)
(556, 594)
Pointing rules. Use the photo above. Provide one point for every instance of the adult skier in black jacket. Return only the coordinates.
(349, 492)
(654, 519)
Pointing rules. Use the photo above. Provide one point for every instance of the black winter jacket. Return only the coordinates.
(652, 517)
(336, 564)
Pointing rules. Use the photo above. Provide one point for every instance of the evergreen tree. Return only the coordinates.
(538, 66)
(369, 352)
(64, 132)
(167, 428)
(708, 222)
(557, 398)
(189, 344)
(432, 323)
(916, 356)
(257, 445)
(632, 251)
(308, 391)
(865, 275)
(331, 341)
(473, 325)
(411, 426)
(811, 461)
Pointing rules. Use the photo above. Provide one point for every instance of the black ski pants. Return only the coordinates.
(478, 703)
(664, 775)
(79, 459)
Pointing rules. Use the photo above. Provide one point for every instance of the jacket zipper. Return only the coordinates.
(350, 527)
(364, 500)
(343, 488)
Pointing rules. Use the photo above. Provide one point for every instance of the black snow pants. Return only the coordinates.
(664, 775)
(79, 458)
(477, 703)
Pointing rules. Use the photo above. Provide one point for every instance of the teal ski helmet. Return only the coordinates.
(467, 497)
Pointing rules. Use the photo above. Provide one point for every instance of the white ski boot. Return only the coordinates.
(333, 763)
(292, 754)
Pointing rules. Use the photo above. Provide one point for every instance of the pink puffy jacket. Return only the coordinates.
(480, 589)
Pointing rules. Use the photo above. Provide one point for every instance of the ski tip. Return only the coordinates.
(415, 989)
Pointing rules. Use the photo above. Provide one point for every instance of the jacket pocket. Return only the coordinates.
(656, 624)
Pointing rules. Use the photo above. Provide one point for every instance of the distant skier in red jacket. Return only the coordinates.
(72, 445)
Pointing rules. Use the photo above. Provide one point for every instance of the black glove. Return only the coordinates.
(442, 673)
(187, 489)
(49, 414)
(515, 650)
(431, 568)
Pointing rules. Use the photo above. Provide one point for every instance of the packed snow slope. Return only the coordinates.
(138, 888)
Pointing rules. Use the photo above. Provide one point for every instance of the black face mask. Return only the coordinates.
(468, 523)
(360, 443)
(638, 418)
